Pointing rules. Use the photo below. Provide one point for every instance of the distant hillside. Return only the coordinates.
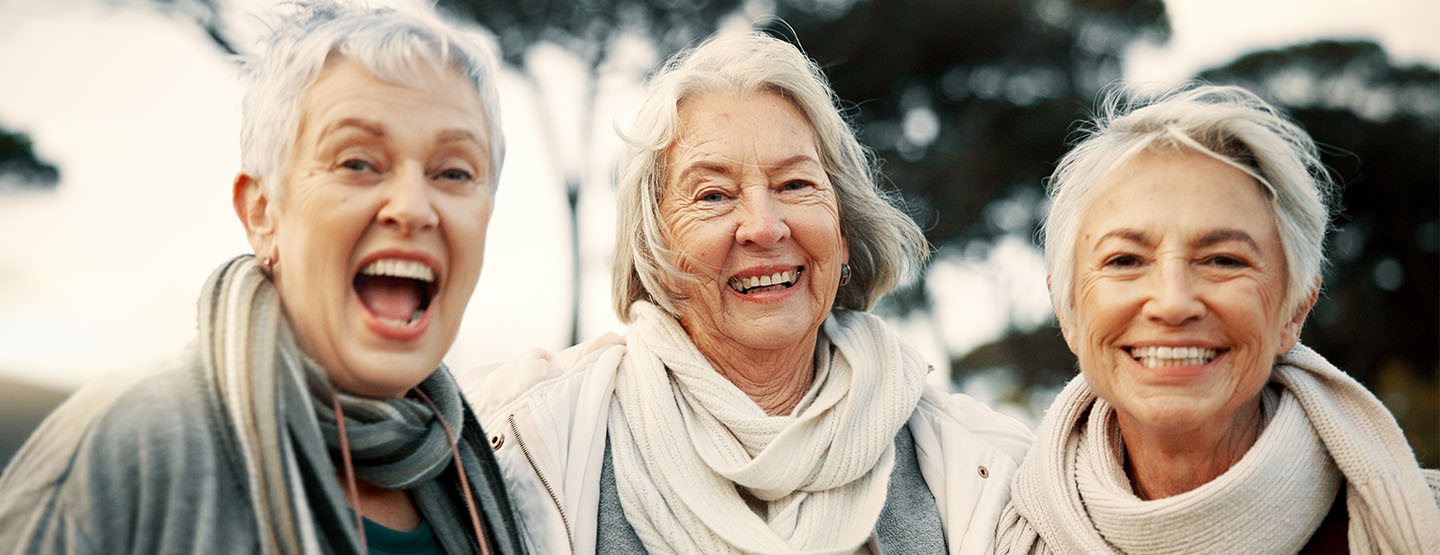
(22, 406)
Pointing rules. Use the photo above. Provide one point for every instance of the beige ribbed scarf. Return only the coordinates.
(684, 440)
(1071, 494)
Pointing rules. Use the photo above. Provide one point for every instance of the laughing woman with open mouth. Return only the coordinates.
(313, 413)
(754, 405)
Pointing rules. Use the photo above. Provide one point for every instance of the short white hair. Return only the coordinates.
(1227, 123)
(886, 247)
(392, 45)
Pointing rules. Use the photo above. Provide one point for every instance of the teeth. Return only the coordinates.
(395, 267)
(1160, 357)
(745, 284)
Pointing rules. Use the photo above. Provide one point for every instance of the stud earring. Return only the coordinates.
(844, 274)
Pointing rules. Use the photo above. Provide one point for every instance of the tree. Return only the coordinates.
(1379, 128)
(969, 111)
(20, 168)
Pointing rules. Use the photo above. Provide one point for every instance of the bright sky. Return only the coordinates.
(141, 115)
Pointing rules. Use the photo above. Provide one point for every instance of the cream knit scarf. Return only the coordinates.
(685, 441)
(1071, 495)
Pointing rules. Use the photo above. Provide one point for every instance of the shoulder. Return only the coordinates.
(103, 443)
(964, 414)
(494, 388)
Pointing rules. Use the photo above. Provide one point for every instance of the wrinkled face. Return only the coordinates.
(381, 230)
(1179, 290)
(751, 213)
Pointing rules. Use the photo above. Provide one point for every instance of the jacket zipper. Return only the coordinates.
(515, 431)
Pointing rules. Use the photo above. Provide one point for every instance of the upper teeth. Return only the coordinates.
(777, 278)
(395, 267)
(1153, 357)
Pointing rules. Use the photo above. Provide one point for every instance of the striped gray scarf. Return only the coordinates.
(276, 402)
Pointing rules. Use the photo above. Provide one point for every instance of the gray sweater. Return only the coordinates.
(909, 521)
(149, 465)
(129, 466)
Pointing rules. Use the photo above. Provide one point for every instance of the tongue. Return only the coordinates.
(389, 297)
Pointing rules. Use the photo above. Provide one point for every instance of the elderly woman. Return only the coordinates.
(753, 406)
(1184, 246)
(313, 413)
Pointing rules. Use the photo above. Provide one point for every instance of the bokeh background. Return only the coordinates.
(119, 126)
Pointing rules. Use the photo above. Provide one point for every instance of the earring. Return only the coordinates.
(844, 274)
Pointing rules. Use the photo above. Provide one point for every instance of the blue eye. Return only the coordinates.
(357, 165)
(796, 185)
(713, 196)
(455, 174)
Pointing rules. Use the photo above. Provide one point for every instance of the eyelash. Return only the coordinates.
(465, 175)
(1227, 261)
(1123, 261)
(351, 163)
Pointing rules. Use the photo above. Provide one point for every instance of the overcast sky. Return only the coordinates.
(141, 115)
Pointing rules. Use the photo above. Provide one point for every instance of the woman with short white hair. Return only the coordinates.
(1185, 244)
(754, 405)
(313, 414)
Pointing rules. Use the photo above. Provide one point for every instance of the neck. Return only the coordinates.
(1164, 463)
(775, 379)
(390, 508)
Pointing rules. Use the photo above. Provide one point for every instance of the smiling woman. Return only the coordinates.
(1184, 246)
(754, 405)
(313, 412)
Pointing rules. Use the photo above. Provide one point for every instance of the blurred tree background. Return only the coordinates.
(969, 104)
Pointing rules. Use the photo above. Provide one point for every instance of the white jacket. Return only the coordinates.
(546, 415)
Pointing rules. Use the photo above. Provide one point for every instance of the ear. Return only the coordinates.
(253, 207)
(1065, 325)
(1290, 334)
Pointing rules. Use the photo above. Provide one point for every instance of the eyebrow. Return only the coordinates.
(795, 160)
(457, 136)
(1210, 238)
(1126, 234)
(723, 169)
(366, 126)
(1223, 235)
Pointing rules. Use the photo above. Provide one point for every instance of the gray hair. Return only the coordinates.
(1229, 124)
(389, 44)
(886, 246)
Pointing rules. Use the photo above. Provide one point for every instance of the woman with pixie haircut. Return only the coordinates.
(1185, 243)
(313, 413)
(754, 405)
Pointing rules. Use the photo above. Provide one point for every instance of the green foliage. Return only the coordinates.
(587, 27)
(20, 168)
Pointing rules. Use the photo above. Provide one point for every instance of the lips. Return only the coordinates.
(397, 291)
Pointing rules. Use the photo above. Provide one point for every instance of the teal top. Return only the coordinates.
(388, 541)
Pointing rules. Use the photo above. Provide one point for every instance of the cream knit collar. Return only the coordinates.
(1071, 496)
(685, 441)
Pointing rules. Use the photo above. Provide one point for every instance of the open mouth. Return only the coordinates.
(1163, 357)
(397, 291)
(771, 282)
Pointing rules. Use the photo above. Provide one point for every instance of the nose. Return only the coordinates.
(1174, 299)
(408, 205)
(762, 222)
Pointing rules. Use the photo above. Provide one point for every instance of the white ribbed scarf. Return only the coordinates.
(1071, 494)
(684, 440)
